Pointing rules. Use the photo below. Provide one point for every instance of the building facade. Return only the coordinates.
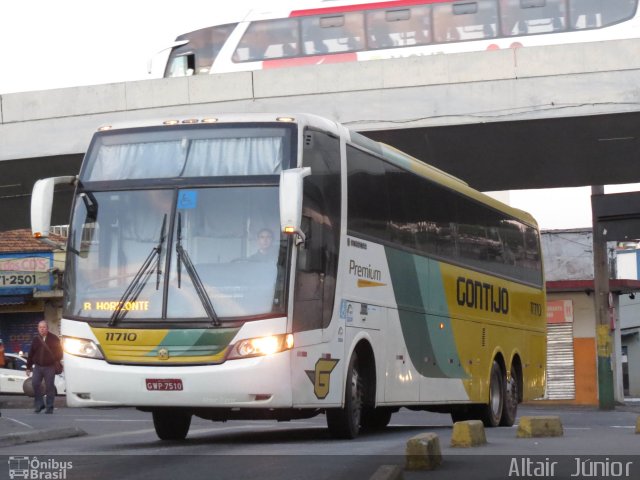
(572, 358)
(30, 288)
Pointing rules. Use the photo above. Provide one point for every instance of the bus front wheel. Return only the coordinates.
(171, 424)
(345, 422)
(492, 412)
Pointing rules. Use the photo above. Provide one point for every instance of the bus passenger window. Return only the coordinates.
(198, 54)
(530, 17)
(465, 20)
(399, 27)
(333, 33)
(600, 13)
(268, 40)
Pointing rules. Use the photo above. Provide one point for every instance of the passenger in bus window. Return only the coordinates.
(266, 251)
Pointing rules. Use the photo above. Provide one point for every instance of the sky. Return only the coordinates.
(47, 44)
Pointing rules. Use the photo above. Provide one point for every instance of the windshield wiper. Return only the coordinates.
(141, 278)
(183, 257)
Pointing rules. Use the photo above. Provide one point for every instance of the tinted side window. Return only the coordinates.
(317, 265)
(368, 201)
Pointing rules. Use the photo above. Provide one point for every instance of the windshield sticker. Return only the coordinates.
(346, 311)
(188, 199)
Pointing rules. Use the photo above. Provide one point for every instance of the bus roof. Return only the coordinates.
(389, 153)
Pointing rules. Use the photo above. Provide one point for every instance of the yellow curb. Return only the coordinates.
(387, 472)
(469, 433)
(638, 425)
(530, 427)
(423, 452)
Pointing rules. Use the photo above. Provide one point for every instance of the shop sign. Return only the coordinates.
(22, 273)
(560, 311)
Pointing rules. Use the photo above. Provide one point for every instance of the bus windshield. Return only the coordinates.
(165, 253)
(172, 224)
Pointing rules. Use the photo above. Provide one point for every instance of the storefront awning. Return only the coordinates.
(12, 300)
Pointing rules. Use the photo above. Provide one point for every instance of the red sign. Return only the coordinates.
(560, 311)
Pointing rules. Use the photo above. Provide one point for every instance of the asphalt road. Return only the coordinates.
(121, 444)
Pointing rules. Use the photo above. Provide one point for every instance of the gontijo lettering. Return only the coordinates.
(482, 295)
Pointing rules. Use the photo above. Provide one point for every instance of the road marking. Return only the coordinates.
(108, 420)
(19, 422)
(622, 426)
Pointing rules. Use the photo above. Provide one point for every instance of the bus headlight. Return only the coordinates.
(81, 347)
(253, 347)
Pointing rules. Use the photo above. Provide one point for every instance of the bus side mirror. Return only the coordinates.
(42, 204)
(291, 192)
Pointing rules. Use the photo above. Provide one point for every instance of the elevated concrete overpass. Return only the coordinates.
(535, 117)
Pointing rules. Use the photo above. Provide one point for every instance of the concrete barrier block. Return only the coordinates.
(387, 472)
(423, 452)
(469, 433)
(544, 426)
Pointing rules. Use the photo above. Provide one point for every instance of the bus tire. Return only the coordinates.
(510, 409)
(171, 424)
(345, 422)
(491, 413)
(376, 418)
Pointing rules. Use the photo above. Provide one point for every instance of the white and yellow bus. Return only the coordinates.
(388, 283)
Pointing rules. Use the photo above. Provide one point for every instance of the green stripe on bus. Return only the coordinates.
(197, 342)
(418, 289)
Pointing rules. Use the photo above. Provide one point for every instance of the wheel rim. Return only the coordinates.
(512, 391)
(356, 396)
(495, 394)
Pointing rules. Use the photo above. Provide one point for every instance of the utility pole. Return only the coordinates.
(602, 299)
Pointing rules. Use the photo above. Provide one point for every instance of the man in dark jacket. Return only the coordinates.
(45, 351)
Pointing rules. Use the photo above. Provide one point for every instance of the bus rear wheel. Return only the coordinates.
(171, 424)
(510, 409)
(492, 412)
(345, 422)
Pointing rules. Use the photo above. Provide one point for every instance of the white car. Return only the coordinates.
(13, 375)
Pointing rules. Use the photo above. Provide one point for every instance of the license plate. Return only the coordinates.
(164, 384)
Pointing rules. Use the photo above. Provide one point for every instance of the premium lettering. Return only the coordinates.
(482, 296)
(364, 271)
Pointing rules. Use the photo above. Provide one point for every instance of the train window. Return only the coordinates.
(333, 34)
(600, 13)
(465, 21)
(530, 17)
(269, 39)
(331, 22)
(398, 28)
(532, 3)
(465, 8)
(397, 15)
